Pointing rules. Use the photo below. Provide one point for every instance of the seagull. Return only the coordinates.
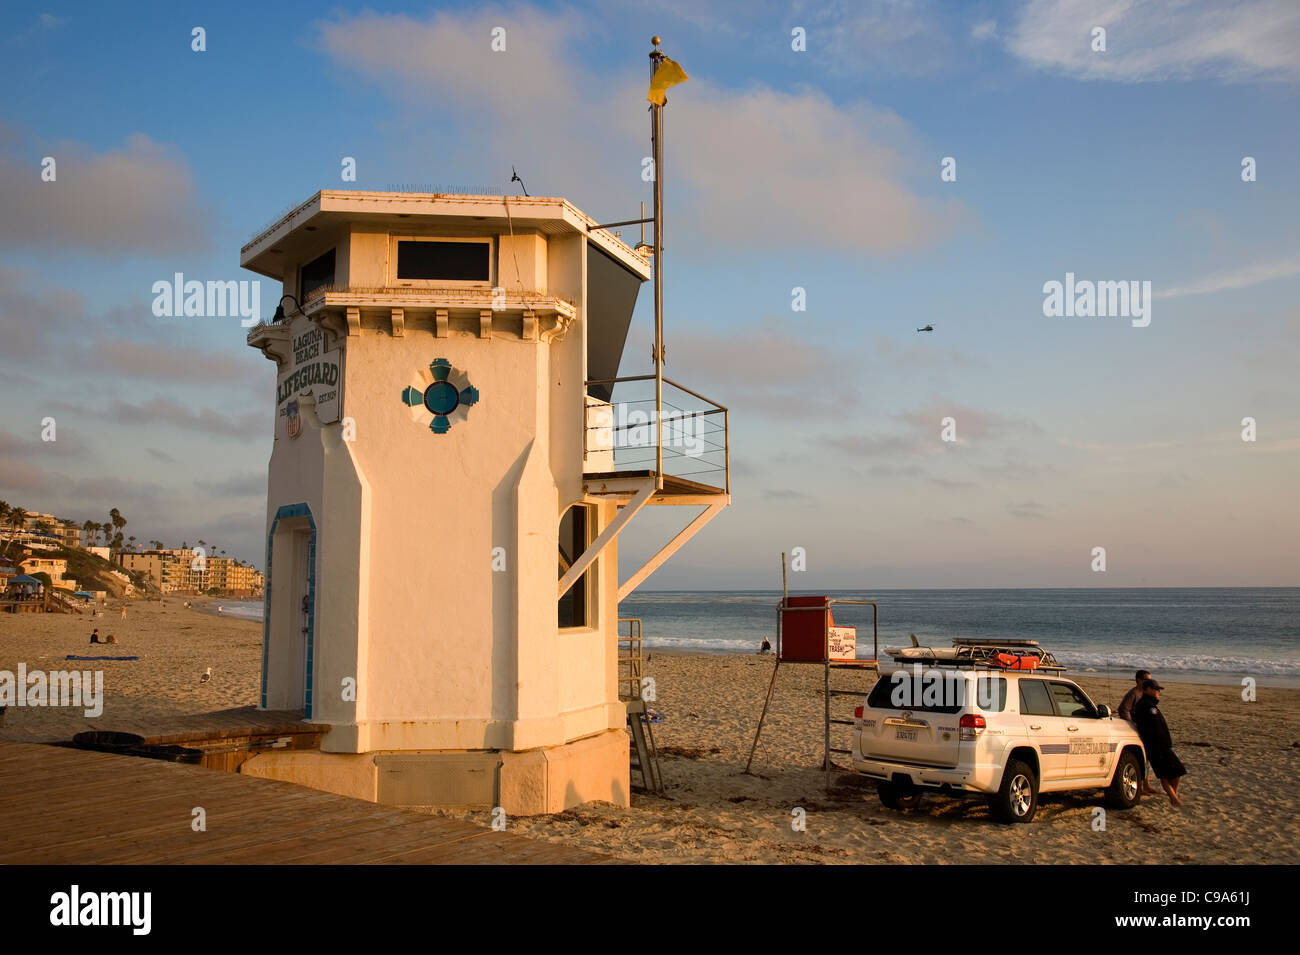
(207, 675)
(514, 177)
(928, 328)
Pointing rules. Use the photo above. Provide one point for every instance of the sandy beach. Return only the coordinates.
(1239, 796)
(175, 645)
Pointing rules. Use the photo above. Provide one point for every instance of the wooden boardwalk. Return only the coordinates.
(61, 806)
(174, 728)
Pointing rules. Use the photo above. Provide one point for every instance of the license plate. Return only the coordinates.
(909, 735)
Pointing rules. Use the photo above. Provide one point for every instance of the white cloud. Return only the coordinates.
(796, 168)
(49, 327)
(140, 198)
(1162, 39)
(1243, 277)
(756, 166)
(899, 37)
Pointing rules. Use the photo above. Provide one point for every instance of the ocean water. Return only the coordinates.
(1194, 635)
(244, 609)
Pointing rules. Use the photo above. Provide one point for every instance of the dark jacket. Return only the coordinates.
(1151, 725)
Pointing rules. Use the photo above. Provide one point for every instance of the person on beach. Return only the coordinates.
(123, 611)
(1126, 713)
(1126, 705)
(94, 635)
(1154, 732)
(767, 646)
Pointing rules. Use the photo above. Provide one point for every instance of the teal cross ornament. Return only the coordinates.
(439, 399)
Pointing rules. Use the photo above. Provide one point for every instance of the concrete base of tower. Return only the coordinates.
(523, 783)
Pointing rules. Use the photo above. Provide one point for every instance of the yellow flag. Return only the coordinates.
(668, 74)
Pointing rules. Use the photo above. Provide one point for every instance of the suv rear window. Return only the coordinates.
(935, 691)
(991, 694)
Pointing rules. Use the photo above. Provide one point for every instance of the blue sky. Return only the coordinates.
(816, 168)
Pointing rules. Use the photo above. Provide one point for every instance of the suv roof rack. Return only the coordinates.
(988, 654)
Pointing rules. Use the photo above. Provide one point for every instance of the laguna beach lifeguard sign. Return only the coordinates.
(312, 374)
(438, 377)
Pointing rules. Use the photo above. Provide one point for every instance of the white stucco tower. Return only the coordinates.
(442, 433)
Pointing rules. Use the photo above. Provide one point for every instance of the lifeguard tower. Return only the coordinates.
(455, 457)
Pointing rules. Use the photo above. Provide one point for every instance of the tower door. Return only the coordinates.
(301, 611)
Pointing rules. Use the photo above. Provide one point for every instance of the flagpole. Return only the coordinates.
(657, 148)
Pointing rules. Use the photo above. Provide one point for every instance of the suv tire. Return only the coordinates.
(895, 797)
(1125, 789)
(1017, 797)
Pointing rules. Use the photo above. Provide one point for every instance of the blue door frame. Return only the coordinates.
(287, 511)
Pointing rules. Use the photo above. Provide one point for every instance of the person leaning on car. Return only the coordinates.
(1125, 712)
(1154, 732)
(1132, 696)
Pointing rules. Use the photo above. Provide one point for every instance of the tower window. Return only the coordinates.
(318, 273)
(444, 260)
(575, 535)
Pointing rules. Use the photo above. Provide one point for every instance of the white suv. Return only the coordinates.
(961, 727)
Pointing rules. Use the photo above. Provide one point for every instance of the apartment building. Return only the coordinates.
(54, 566)
(171, 571)
(184, 571)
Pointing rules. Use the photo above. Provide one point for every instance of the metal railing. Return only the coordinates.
(695, 430)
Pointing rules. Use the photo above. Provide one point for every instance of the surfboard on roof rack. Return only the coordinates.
(994, 654)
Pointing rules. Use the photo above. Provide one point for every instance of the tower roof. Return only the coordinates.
(266, 252)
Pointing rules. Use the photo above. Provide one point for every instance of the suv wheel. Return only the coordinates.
(1017, 797)
(895, 797)
(1124, 790)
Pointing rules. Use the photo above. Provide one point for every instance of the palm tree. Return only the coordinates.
(91, 530)
(131, 542)
(118, 522)
(17, 520)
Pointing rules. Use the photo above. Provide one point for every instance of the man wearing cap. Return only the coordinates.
(1125, 711)
(1154, 731)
